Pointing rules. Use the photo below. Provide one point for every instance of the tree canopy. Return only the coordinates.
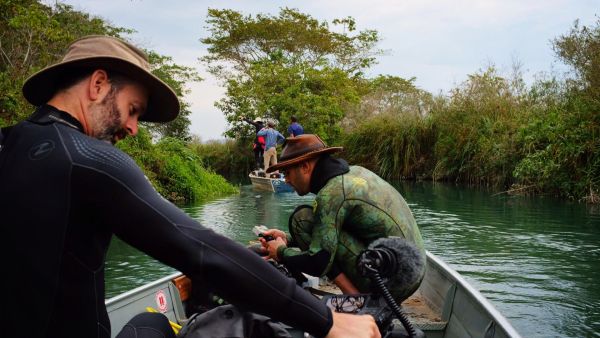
(580, 49)
(292, 36)
(290, 64)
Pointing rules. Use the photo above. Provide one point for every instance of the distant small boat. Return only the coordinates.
(261, 181)
(444, 306)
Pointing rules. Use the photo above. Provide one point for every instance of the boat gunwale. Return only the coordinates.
(113, 300)
(498, 317)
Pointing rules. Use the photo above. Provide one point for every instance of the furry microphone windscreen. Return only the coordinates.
(410, 262)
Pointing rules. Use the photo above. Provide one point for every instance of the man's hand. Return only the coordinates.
(276, 234)
(272, 246)
(279, 239)
(353, 326)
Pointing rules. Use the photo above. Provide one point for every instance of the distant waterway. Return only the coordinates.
(537, 259)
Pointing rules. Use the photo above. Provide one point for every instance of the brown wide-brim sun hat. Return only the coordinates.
(110, 54)
(301, 148)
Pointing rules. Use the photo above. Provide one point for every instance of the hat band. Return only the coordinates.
(301, 152)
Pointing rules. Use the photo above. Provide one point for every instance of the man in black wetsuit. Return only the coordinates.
(65, 190)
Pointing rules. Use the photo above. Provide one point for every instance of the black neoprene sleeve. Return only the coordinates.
(148, 222)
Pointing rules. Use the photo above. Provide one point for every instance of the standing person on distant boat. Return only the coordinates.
(259, 141)
(66, 190)
(295, 128)
(272, 138)
(352, 209)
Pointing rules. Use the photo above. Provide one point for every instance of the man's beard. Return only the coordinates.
(107, 118)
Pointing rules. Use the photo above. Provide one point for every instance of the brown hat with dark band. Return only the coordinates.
(301, 148)
(111, 54)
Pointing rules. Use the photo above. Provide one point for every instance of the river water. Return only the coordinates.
(537, 259)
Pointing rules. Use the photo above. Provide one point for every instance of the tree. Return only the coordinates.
(476, 128)
(315, 97)
(34, 35)
(388, 95)
(176, 77)
(241, 41)
(580, 49)
(560, 143)
(290, 64)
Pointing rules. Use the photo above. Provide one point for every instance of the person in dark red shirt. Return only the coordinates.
(259, 141)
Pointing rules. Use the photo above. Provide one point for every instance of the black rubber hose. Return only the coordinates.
(378, 281)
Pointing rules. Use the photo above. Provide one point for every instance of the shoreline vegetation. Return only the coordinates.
(36, 35)
(492, 130)
(175, 170)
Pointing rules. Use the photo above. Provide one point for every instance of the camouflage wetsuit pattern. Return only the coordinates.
(349, 212)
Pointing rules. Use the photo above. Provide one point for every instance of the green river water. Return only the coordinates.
(537, 259)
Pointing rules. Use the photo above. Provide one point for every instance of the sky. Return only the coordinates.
(439, 42)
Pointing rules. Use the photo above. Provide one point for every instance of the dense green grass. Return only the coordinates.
(175, 170)
(491, 132)
(394, 146)
(233, 159)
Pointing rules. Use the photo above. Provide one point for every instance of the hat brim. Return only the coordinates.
(163, 104)
(302, 158)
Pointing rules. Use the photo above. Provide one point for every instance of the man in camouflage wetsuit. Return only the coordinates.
(353, 208)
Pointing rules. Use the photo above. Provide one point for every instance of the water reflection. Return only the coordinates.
(233, 216)
(128, 268)
(536, 259)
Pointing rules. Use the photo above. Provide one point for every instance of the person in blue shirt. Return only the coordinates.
(272, 138)
(295, 128)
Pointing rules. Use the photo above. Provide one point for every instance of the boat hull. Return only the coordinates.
(444, 306)
(277, 185)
